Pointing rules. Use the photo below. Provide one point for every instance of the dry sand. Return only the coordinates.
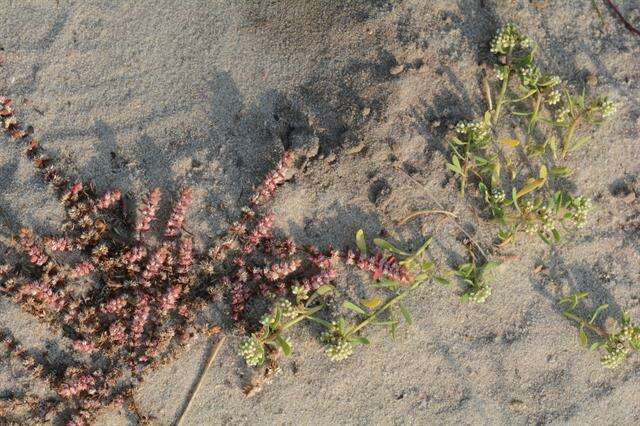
(160, 93)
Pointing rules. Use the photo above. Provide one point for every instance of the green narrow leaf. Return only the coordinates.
(355, 308)
(359, 340)
(442, 281)
(385, 245)
(543, 172)
(360, 242)
(487, 267)
(530, 186)
(561, 171)
(556, 235)
(544, 238)
(579, 143)
(514, 197)
(372, 302)
(553, 145)
(582, 336)
(325, 289)
(286, 349)
(625, 318)
(597, 312)
(405, 314)
(423, 247)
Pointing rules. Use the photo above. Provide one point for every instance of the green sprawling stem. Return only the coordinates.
(584, 323)
(389, 303)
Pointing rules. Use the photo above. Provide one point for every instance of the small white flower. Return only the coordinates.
(553, 97)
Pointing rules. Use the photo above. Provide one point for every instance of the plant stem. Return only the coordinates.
(584, 323)
(536, 111)
(500, 100)
(566, 142)
(390, 302)
(463, 180)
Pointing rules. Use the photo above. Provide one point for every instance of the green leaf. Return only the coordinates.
(325, 289)
(385, 245)
(359, 340)
(392, 328)
(625, 318)
(574, 299)
(556, 235)
(405, 314)
(543, 172)
(579, 143)
(487, 267)
(454, 166)
(384, 283)
(596, 345)
(372, 302)
(286, 349)
(514, 197)
(423, 247)
(597, 312)
(553, 146)
(355, 308)
(530, 186)
(544, 238)
(360, 242)
(561, 171)
(582, 337)
(442, 281)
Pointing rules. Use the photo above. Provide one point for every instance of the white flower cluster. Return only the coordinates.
(252, 351)
(608, 108)
(617, 348)
(267, 320)
(300, 292)
(287, 310)
(562, 114)
(475, 130)
(507, 39)
(529, 75)
(580, 207)
(336, 347)
(480, 294)
(547, 223)
(501, 72)
(497, 195)
(553, 97)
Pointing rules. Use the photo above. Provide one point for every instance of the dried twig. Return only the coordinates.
(626, 23)
(213, 354)
(424, 213)
(441, 207)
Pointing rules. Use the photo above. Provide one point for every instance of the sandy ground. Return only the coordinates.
(209, 93)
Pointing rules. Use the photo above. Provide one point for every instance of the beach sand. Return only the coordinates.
(162, 93)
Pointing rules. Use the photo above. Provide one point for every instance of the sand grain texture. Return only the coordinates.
(209, 93)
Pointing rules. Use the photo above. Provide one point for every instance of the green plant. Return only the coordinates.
(526, 194)
(616, 343)
(475, 277)
(340, 336)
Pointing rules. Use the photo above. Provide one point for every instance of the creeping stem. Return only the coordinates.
(584, 323)
(390, 302)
